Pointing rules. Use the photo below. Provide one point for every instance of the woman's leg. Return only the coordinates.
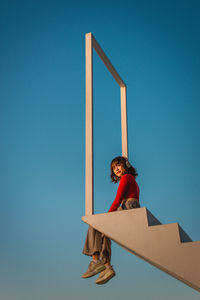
(93, 242)
(94, 245)
(106, 250)
(109, 272)
(97, 244)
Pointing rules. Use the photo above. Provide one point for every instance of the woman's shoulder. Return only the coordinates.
(128, 177)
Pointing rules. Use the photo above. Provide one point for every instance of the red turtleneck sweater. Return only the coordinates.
(128, 188)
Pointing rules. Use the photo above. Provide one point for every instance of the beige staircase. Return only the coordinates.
(167, 247)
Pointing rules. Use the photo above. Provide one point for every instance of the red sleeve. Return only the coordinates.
(120, 193)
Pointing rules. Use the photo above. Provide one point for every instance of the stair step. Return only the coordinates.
(165, 246)
(152, 221)
(184, 237)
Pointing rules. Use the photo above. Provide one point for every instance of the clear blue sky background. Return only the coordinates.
(155, 47)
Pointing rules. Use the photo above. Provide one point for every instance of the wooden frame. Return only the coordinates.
(90, 43)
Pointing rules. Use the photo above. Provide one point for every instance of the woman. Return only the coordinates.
(98, 245)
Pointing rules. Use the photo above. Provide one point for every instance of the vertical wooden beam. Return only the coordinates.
(89, 203)
(124, 122)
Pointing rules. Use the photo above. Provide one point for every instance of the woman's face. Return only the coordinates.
(118, 170)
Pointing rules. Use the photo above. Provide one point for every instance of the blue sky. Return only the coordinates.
(155, 48)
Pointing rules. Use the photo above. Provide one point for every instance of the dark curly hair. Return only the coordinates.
(127, 168)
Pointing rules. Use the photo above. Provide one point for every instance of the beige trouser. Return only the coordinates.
(97, 243)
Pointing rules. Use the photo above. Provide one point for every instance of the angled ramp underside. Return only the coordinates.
(167, 247)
